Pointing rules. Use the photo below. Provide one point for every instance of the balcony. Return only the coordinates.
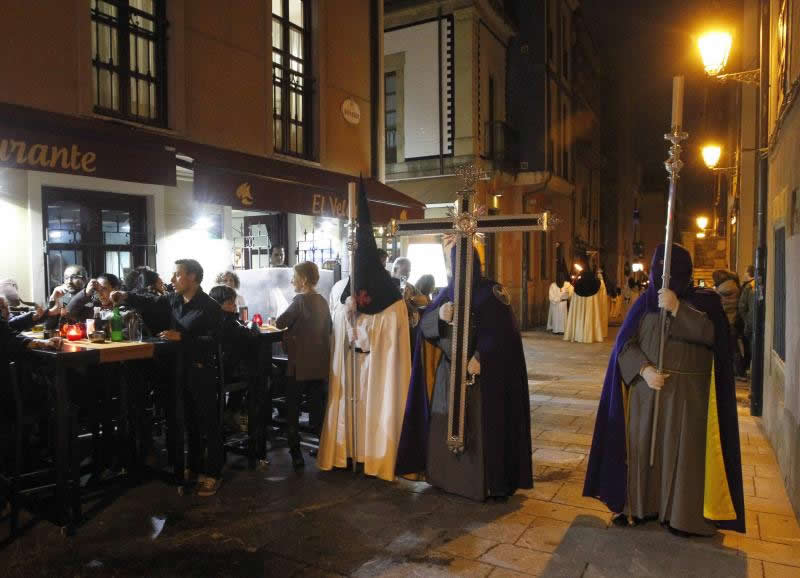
(501, 146)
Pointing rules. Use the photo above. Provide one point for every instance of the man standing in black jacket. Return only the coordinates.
(193, 315)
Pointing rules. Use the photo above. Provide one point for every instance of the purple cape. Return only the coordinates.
(606, 475)
(504, 393)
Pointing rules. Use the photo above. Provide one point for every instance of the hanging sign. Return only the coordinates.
(351, 111)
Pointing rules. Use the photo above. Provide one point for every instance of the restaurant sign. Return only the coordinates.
(218, 186)
(41, 151)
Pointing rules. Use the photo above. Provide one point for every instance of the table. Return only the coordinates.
(78, 355)
(259, 397)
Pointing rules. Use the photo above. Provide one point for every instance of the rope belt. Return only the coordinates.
(691, 373)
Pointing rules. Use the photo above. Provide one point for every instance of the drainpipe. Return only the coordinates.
(757, 371)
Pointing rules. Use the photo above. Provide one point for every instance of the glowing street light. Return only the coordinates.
(578, 267)
(702, 223)
(715, 46)
(711, 154)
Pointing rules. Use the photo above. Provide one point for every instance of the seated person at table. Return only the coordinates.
(97, 293)
(75, 278)
(231, 279)
(240, 341)
(193, 315)
(26, 321)
(11, 339)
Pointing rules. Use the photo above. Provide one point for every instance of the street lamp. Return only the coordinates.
(702, 222)
(715, 46)
(711, 154)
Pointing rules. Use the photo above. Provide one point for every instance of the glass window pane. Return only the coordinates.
(296, 111)
(277, 7)
(277, 34)
(296, 43)
(296, 12)
(278, 134)
(277, 103)
(390, 102)
(143, 5)
(391, 82)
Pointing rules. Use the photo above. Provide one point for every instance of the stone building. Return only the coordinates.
(144, 130)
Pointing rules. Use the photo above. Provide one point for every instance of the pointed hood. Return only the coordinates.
(375, 290)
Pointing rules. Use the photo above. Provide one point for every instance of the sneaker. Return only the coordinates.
(208, 486)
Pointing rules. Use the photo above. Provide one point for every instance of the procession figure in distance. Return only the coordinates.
(585, 317)
(695, 482)
(375, 318)
(496, 460)
(559, 295)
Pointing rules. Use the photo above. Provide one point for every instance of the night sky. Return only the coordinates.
(642, 44)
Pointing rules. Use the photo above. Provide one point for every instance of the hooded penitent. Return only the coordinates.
(375, 290)
(504, 391)
(606, 476)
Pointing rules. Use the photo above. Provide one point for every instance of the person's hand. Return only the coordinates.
(170, 335)
(57, 311)
(474, 366)
(350, 304)
(118, 297)
(59, 291)
(52, 343)
(38, 313)
(668, 299)
(446, 312)
(653, 378)
(92, 286)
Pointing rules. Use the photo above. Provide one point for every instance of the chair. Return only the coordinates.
(22, 479)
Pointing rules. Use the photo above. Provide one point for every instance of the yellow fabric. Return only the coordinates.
(430, 361)
(717, 502)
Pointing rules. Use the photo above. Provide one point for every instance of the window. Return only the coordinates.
(779, 304)
(390, 88)
(129, 59)
(104, 232)
(292, 84)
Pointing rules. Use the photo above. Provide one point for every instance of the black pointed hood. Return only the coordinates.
(375, 290)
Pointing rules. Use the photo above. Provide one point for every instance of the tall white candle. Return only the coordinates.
(677, 101)
(352, 203)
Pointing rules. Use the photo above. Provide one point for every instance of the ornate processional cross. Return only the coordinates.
(465, 223)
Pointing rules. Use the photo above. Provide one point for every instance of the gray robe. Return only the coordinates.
(673, 488)
(463, 474)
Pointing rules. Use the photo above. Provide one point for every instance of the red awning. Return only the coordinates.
(256, 183)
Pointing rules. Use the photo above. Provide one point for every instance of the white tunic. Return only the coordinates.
(557, 316)
(383, 378)
(584, 321)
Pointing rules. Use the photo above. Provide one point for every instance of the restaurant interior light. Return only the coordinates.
(578, 267)
(701, 235)
(202, 224)
(702, 223)
(637, 267)
(711, 154)
(714, 49)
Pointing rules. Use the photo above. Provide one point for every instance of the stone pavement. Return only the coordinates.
(277, 523)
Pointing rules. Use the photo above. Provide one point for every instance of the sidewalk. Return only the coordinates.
(274, 522)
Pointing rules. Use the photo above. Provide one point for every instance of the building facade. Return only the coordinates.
(145, 130)
(781, 410)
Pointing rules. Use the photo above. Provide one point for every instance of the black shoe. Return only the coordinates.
(297, 459)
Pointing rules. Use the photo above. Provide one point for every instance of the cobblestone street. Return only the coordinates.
(277, 523)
